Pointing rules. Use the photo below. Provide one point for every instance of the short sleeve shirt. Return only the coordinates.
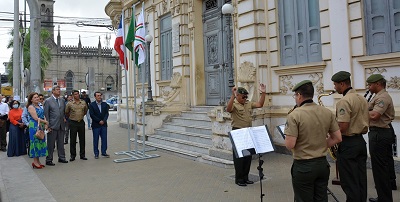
(383, 104)
(310, 124)
(241, 114)
(76, 110)
(353, 109)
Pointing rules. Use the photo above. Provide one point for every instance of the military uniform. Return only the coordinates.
(310, 169)
(352, 152)
(76, 112)
(380, 141)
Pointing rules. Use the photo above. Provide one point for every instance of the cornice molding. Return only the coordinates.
(383, 60)
(300, 69)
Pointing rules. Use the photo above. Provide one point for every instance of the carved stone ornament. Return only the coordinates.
(164, 6)
(286, 84)
(176, 80)
(317, 81)
(190, 3)
(246, 72)
(177, 9)
(375, 70)
(394, 83)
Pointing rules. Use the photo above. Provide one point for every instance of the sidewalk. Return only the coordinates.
(166, 178)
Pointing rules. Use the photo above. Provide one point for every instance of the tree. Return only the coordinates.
(45, 56)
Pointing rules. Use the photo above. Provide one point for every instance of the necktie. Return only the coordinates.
(58, 102)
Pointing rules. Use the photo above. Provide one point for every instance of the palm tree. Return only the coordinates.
(45, 55)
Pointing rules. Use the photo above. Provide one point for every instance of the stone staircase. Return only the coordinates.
(188, 136)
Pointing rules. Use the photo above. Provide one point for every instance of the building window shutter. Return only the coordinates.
(166, 47)
(314, 32)
(395, 25)
(378, 37)
(287, 27)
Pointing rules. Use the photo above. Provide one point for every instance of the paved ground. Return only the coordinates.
(166, 178)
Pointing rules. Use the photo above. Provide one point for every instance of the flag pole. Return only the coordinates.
(143, 102)
(134, 91)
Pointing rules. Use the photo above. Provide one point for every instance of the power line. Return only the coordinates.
(57, 16)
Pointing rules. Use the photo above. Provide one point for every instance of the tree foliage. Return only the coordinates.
(45, 55)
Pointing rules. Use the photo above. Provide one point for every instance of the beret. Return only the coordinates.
(297, 86)
(374, 78)
(340, 76)
(242, 90)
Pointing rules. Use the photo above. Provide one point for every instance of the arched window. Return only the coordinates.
(109, 83)
(69, 81)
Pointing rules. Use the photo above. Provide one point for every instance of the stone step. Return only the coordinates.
(172, 150)
(206, 130)
(190, 121)
(195, 114)
(187, 136)
(216, 161)
(180, 144)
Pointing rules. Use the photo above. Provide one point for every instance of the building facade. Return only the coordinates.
(198, 53)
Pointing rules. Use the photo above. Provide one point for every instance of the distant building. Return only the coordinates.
(70, 64)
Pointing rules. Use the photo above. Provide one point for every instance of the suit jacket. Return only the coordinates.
(55, 113)
(98, 116)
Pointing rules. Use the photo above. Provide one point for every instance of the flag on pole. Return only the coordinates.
(136, 36)
(119, 44)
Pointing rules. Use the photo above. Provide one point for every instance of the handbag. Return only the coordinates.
(39, 132)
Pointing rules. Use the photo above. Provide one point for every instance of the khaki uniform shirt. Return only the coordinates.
(353, 109)
(383, 104)
(310, 124)
(241, 114)
(76, 110)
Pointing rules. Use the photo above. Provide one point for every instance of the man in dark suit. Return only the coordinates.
(54, 111)
(99, 113)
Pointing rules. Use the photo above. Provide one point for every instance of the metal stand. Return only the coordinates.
(261, 174)
(331, 193)
(135, 155)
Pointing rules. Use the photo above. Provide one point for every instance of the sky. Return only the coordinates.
(69, 33)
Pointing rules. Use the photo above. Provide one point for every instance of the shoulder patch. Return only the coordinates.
(342, 111)
(381, 103)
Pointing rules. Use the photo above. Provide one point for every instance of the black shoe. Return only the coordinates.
(62, 161)
(105, 155)
(72, 159)
(66, 142)
(3, 149)
(50, 163)
(373, 199)
(242, 184)
(96, 157)
(249, 182)
(83, 158)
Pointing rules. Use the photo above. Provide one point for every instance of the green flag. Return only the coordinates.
(130, 38)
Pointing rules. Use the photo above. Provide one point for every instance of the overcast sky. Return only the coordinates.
(69, 33)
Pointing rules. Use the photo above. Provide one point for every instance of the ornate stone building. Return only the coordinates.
(275, 42)
(70, 64)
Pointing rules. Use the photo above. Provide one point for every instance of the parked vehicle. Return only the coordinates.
(112, 103)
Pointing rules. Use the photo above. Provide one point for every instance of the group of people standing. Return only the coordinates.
(311, 129)
(59, 118)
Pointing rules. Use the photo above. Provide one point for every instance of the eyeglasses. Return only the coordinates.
(295, 95)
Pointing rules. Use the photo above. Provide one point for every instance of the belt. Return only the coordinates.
(76, 121)
(307, 160)
(377, 128)
(353, 135)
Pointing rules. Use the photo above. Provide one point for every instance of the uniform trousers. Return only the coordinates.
(242, 166)
(77, 128)
(310, 179)
(380, 149)
(56, 136)
(3, 137)
(352, 166)
(391, 161)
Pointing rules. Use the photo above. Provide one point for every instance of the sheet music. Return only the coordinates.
(281, 129)
(242, 140)
(261, 139)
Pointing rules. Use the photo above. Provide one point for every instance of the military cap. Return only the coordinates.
(242, 90)
(340, 76)
(297, 86)
(374, 78)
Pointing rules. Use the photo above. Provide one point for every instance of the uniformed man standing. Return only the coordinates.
(352, 117)
(241, 118)
(381, 114)
(75, 111)
(310, 170)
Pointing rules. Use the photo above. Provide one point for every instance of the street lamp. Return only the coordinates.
(149, 39)
(227, 10)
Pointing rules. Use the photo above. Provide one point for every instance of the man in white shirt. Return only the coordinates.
(4, 109)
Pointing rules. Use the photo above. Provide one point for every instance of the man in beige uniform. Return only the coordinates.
(241, 118)
(310, 169)
(352, 117)
(381, 114)
(75, 111)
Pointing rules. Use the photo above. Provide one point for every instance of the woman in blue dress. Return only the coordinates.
(16, 143)
(37, 147)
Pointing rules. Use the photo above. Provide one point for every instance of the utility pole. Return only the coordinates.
(16, 52)
(34, 46)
